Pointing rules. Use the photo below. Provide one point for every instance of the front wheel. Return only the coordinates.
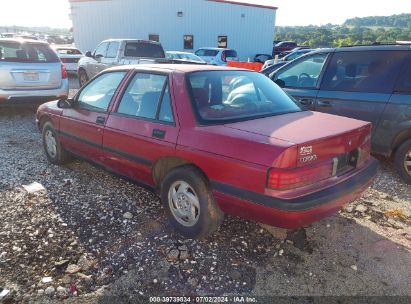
(190, 204)
(55, 152)
(403, 161)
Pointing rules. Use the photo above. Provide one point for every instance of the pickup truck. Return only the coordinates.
(115, 52)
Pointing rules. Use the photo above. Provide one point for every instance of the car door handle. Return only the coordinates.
(306, 101)
(100, 120)
(324, 103)
(158, 133)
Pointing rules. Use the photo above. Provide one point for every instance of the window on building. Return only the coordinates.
(154, 37)
(188, 42)
(222, 42)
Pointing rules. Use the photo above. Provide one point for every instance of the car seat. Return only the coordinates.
(149, 104)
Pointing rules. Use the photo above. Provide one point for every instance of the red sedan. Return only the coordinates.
(213, 140)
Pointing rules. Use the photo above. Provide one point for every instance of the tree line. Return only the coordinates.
(343, 35)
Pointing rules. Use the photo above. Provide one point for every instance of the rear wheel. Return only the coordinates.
(189, 203)
(55, 152)
(82, 77)
(403, 161)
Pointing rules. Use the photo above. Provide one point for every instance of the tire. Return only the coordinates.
(206, 216)
(56, 155)
(402, 156)
(82, 77)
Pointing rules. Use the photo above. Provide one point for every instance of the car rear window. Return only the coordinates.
(11, 51)
(230, 53)
(228, 96)
(144, 50)
(206, 53)
(69, 52)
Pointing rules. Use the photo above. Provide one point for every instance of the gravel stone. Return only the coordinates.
(128, 215)
(49, 291)
(72, 268)
(361, 208)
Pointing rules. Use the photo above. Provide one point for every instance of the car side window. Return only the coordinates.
(112, 49)
(404, 81)
(101, 50)
(144, 95)
(304, 73)
(367, 71)
(96, 96)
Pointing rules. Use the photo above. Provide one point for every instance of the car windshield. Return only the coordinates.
(228, 96)
(12, 51)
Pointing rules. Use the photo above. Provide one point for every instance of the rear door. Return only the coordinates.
(142, 128)
(301, 78)
(358, 84)
(81, 127)
(26, 65)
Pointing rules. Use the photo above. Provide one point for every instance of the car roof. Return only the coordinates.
(22, 40)
(131, 40)
(170, 68)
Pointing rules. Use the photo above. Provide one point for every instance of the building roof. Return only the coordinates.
(259, 5)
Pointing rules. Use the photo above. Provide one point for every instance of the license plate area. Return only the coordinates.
(31, 77)
(345, 163)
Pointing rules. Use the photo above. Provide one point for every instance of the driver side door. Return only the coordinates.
(301, 79)
(81, 127)
(98, 64)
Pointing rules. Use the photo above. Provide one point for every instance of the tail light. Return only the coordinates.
(63, 72)
(286, 179)
(223, 56)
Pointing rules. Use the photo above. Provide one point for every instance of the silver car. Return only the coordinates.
(30, 71)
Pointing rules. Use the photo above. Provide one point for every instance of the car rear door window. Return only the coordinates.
(366, 71)
(147, 96)
(11, 51)
(304, 73)
(404, 80)
(96, 96)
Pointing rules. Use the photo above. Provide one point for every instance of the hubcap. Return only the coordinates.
(184, 203)
(51, 144)
(407, 162)
(83, 79)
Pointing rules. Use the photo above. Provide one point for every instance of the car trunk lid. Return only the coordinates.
(315, 136)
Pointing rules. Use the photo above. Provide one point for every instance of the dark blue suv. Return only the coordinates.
(371, 83)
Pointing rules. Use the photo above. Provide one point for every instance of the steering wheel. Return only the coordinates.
(304, 78)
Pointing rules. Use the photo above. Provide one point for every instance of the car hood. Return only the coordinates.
(300, 127)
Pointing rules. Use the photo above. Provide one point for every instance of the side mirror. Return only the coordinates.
(280, 83)
(65, 103)
(88, 54)
(98, 56)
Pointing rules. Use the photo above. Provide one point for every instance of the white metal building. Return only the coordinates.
(180, 25)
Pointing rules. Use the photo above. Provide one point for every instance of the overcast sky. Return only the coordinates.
(55, 13)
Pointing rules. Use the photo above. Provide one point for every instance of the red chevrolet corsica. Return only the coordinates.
(213, 140)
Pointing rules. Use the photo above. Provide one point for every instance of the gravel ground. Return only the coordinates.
(95, 238)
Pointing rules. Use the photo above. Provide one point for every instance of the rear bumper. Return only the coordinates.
(298, 212)
(11, 97)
